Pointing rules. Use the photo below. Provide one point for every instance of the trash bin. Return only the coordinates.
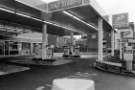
(73, 84)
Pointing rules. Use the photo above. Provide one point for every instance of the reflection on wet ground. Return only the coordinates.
(40, 78)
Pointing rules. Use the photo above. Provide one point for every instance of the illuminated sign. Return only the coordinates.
(65, 4)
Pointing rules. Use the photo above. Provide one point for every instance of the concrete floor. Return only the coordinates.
(40, 78)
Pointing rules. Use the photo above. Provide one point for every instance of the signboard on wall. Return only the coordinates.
(65, 4)
(120, 21)
(127, 34)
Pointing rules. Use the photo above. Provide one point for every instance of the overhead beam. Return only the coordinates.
(36, 4)
(100, 39)
(78, 19)
(64, 27)
(47, 22)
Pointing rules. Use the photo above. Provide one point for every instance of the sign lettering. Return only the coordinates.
(64, 4)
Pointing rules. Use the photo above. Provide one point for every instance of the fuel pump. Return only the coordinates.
(50, 52)
(128, 57)
(37, 51)
(66, 51)
(71, 51)
(76, 51)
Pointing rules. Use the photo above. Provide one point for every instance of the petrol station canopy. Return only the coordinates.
(80, 16)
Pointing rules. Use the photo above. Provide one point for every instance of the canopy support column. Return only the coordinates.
(100, 39)
(44, 42)
(72, 41)
(112, 42)
(121, 49)
(31, 48)
(72, 37)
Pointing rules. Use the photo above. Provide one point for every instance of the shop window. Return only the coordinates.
(26, 47)
(13, 49)
(129, 44)
(6, 47)
(2, 27)
(1, 48)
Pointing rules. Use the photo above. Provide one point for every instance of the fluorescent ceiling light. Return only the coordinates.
(10, 11)
(71, 15)
(23, 15)
(48, 1)
(75, 14)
